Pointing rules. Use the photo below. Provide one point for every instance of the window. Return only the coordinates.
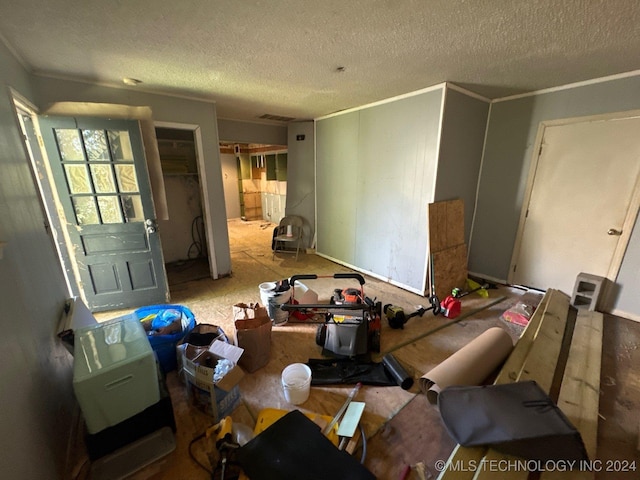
(100, 175)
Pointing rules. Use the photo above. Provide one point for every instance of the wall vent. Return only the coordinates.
(277, 118)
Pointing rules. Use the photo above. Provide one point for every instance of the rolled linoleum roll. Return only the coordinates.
(399, 374)
(470, 365)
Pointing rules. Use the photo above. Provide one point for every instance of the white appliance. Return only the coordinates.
(115, 374)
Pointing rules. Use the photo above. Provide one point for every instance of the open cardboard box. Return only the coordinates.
(220, 398)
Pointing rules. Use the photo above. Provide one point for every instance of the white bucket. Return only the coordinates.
(276, 314)
(266, 292)
(296, 383)
(272, 301)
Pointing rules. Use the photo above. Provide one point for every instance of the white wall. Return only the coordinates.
(376, 171)
(249, 132)
(230, 183)
(36, 394)
(184, 204)
(301, 174)
(461, 141)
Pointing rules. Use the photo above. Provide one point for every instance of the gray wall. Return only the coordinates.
(513, 126)
(246, 132)
(463, 127)
(165, 109)
(230, 182)
(336, 197)
(36, 395)
(376, 172)
(301, 177)
(184, 204)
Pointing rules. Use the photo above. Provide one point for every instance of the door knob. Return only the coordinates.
(613, 231)
(151, 225)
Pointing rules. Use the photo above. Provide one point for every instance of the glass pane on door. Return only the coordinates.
(120, 146)
(110, 209)
(132, 206)
(69, 145)
(95, 144)
(86, 212)
(103, 179)
(127, 180)
(77, 178)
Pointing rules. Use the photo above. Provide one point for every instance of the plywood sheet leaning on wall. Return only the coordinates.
(446, 224)
(446, 243)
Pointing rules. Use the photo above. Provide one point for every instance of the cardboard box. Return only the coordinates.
(197, 341)
(216, 398)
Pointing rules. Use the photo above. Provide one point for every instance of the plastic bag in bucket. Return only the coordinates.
(166, 325)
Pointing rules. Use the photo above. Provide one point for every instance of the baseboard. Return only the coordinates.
(627, 315)
(76, 459)
(489, 278)
(371, 274)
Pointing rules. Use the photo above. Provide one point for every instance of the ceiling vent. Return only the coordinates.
(277, 118)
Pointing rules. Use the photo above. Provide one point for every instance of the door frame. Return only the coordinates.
(632, 210)
(48, 195)
(204, 188)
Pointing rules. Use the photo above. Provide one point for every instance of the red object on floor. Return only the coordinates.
(405, 473)
(451, 307)
(298, 314)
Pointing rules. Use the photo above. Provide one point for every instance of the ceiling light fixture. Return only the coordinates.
(131, 81)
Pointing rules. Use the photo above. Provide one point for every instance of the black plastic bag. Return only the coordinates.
(514, 418)
(388, 373)
(294, 448)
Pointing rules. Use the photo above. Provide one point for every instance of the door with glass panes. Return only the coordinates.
(100, 174)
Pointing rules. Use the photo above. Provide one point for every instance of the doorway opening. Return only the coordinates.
(255, 189)
(184, 242)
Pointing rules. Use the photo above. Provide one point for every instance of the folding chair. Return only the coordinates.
(288, 232)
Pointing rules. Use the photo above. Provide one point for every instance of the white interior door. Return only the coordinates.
(582, 205)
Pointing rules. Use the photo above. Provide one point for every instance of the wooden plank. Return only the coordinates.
(463, 456)
(463, 463)
(446, 224)
(530, 360)
(513, 365)
(450, 269)
(539, 365)
(580, 392)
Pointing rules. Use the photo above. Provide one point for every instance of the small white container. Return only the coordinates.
(296, 383)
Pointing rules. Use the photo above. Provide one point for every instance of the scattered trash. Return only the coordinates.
(520, 314)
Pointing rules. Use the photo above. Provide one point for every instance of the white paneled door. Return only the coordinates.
(582, 204)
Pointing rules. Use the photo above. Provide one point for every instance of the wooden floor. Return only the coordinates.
(422, 344)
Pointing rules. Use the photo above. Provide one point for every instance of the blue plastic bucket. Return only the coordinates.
(165, 345)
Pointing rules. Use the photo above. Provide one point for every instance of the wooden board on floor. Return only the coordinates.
(534, 358)
(415, 434)
(580, 392)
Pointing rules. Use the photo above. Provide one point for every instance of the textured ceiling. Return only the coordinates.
(282, 56)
